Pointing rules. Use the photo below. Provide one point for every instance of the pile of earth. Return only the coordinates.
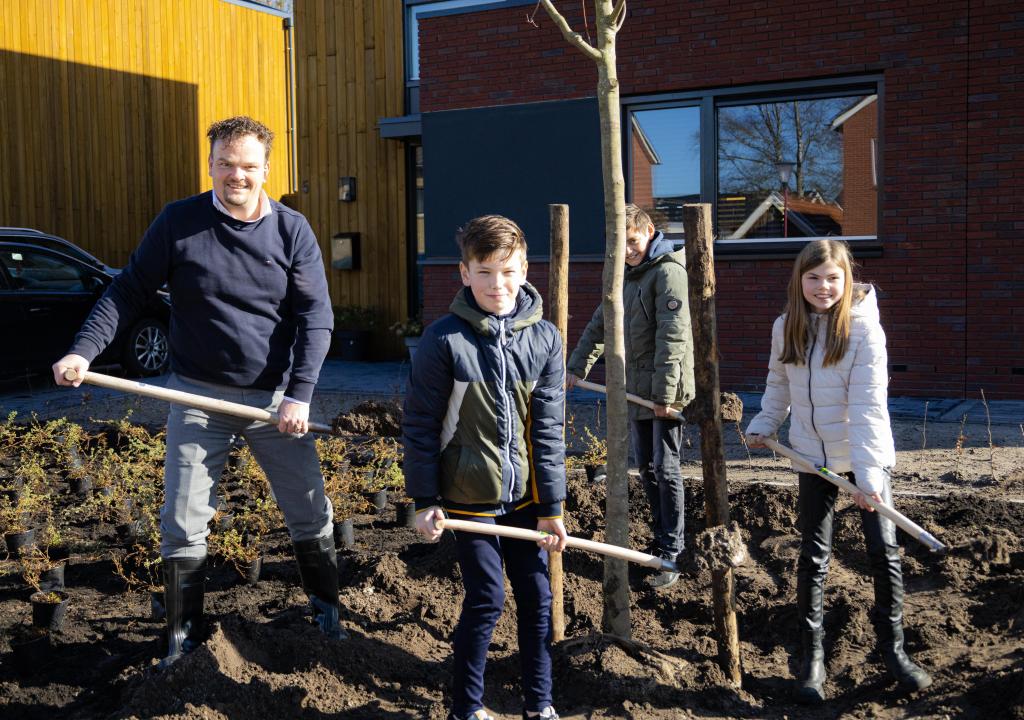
(371, 418)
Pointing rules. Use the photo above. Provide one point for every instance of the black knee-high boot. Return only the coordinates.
(817, 500)
(318, 568)
(184, 587)
(887, 573)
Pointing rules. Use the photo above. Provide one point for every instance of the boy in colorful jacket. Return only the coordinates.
(483, 433)
(659, 368)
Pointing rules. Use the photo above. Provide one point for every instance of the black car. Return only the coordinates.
(46, 294)
(53, 242)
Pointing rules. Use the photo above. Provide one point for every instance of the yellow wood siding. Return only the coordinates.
(105, 105)
(350, 74)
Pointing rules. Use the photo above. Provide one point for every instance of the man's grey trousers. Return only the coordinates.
(198, 444)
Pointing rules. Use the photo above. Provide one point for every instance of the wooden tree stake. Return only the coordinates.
(558, 313)
(700, 269)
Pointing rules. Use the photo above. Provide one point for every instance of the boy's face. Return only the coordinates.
(637, 241)
(495, 281)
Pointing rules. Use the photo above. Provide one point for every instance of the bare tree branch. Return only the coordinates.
(573, 38)
(619, 15)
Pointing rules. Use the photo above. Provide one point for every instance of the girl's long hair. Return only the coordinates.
(796, 334)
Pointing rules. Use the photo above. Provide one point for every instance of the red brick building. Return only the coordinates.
(904, 115)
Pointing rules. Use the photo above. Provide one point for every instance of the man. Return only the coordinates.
(659, 367)
(250, 322)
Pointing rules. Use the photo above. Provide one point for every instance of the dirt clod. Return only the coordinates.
(371, 417)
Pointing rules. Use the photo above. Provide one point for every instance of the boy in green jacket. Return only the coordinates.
(659, 368)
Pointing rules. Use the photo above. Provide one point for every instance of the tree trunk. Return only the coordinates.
(700, 268)
(558, 313)
(609, 17)
(616, 618)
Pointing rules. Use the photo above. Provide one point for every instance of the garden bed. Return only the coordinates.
(400, 599)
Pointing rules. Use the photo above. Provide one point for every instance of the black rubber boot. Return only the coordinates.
(908, 674)
(184, 586)
(887, 573)
(318, 568)
(816, 502)
(811, 678)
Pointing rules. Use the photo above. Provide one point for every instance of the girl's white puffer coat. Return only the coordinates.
(840, 413)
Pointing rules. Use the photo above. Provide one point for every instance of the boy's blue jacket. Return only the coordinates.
(484, 413)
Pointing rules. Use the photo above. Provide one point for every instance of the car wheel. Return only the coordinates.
(147, 349)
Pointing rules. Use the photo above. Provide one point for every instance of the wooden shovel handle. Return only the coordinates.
(634, 556)
(906, 524)
(587, 385)
(180, 397)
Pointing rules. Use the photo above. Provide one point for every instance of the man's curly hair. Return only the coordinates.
(230, 130)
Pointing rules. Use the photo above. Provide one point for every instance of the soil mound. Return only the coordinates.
(371, 417)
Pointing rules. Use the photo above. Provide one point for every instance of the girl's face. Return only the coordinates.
(823, 286)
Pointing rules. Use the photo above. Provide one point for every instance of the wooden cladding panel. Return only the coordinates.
(349, 55)
(106, 105)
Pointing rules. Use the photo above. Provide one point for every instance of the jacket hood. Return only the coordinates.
(660, 250)
(865, 302)
(529, 310)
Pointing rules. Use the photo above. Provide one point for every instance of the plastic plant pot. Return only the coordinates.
(379, 500)
(49, 614)
(252, 571)
(596, 473)
(52, 579)
(157, 610)
(18, 542)
(344, 534)
(405, 514)
(80, 485)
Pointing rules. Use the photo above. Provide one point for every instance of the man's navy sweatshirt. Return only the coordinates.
(249, 301)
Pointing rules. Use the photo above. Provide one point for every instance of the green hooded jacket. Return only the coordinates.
(659, 341)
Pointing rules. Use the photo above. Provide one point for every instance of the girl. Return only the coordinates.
(828, 364)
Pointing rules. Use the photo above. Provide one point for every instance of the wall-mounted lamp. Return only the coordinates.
(346, 189)
(345, 251)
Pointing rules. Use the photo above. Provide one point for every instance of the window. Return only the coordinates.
(797, 162)
(664, 163)
(37, 272)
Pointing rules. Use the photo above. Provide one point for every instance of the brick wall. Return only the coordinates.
(951, 176)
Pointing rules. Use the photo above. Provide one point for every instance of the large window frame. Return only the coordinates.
(711, 101)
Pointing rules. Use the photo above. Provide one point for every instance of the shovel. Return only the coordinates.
(906, 524)
(634, 556)
(179, 397)
(587, 385)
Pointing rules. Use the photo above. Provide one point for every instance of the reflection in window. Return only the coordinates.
(37, 272)
(665, 163)
(831, 190)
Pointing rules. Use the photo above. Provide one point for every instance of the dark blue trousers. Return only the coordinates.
(656, 447)
(480, 559)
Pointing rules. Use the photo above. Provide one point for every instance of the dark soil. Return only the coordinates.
(371, 417)
(965, 616)
(401, 599)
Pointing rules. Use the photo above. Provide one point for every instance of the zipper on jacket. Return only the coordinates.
(810, 397)
(640, 297)
(508, 413)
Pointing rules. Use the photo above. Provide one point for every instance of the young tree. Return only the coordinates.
(609, 18)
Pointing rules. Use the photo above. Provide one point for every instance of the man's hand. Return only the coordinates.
(70, 362)
(861, 500)
(556, 536)
(571, 380)
(293, 417)
(426, 523)
(754, 440)
(662, 411)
